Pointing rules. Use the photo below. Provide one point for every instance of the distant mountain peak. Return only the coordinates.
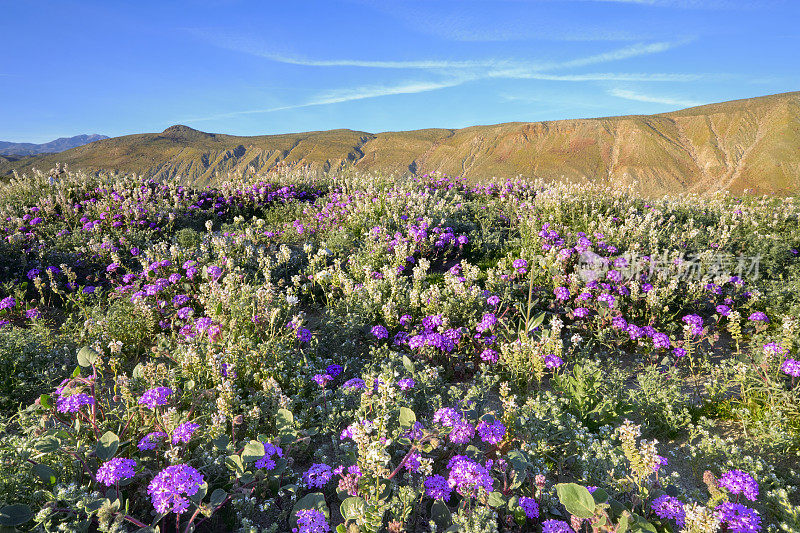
(59, 145)
(180, 129)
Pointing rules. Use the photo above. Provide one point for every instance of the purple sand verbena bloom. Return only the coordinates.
(758, 316)
(738, 518)
(669, 507)
(738, 482)
(151, 440)
(304, 335)
(405, 384)
(183, 433)
(168, 490)
(318, 475)
(311, 521)
(115, 470)
(556, 526)
(552, 361)
(791, 367)
(333, 370)
(492, 433)
(155, 397)
(379, 332)
(437, 487)
(529, 506)
(72, 404)
(469, 477)
(267, 460)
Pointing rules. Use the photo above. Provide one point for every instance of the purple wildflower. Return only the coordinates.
(406, 384)
(562, 293)
(491, 433)
(552, 361)
(168, 487)
(530, 507)
(758, 316)
(72, 404)
(304, 335)
(333, 370)
(490, 356)
(738, 482)
(469, 477)
(437, 488)
(354, 384)
(267, 461)
(154, 397)
(556, 526)
(183, 433)
(150, 441)
(669, 508)
(738, 518)
(311, 521)
(660, 340)
(379, 332)
(115, 470)
(318, 475)
(791, 367)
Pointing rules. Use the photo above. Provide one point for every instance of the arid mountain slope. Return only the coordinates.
(751, 144)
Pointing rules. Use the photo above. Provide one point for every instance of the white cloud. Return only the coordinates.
(602, 76)
(639, 97)
(337, 96)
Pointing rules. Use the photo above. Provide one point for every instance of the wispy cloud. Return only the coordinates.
(639, 97)
(636, 50)
(260, 49)
(604, 76)
(338, 96)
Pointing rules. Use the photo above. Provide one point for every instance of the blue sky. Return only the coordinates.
(250, 68)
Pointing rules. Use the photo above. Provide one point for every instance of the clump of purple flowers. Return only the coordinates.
(791, 367)
(461, 430)
(318, 475)
(150, 441)
(492, 433)
(380, 332)
(552, 361)
(267, 460)
(562, 293)
(520, 265)
(738, 482)
(304, 335)
(311, 521)
(556, 526)
(469, 477)
(529, 506)
(668, 507)
(155, 397)
(113, 471)
(695, 323)
(183, 433)
(406, 384)
(437, 488)
(72, 404)
(738, 518)
(168, 488)
(758, 316)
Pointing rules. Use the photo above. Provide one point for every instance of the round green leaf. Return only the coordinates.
(577, 499)
(15, 515)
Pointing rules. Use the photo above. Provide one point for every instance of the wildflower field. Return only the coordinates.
(358, 354)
